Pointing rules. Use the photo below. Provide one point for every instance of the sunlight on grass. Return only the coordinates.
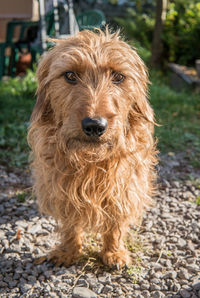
(179, 116)
(16, 103)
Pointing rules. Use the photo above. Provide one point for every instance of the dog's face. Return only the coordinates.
(92, 87)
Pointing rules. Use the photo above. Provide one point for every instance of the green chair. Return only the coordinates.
(91, 19)
(8, 63)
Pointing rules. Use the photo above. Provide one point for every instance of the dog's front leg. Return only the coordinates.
(70, 248)
(114, 253)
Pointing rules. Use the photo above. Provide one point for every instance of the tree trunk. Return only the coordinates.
(157, 44)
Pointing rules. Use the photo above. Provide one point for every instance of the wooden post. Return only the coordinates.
(157, 44)
(42, 25)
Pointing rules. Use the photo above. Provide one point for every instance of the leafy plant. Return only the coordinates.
(182, 31)
(136, 20)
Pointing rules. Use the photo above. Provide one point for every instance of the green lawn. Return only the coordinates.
(16, 103)
(178, 113)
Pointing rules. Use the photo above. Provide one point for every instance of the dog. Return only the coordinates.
(93, 149)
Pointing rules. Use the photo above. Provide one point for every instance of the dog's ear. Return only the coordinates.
(141, 106)
(144, 110)
(42, 109)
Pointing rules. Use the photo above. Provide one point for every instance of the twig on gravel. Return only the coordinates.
(161, 251)
(82, 273)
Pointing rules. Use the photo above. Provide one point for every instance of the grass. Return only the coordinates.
(178, 113)
(16, 103)
(179, 116)
(198, 200)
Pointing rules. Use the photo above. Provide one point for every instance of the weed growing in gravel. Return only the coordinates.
(134, 273)
(21, 197)
(198, 200)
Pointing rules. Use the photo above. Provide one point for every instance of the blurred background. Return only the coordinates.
(165, 33)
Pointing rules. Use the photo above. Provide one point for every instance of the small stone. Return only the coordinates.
(183, 274)
(81, 292)
(193, 268)
(82, 283)
(157, 294)
(22, 224)
(175, 184)
(171, 274)
(34, 229)
(31, 279)
(166, 183)
(97, 288)
(25, 287)
(155, 287)
(2, 234)
(155, 281)
(13, 283)
(145, 286)
(3, 284)
(194, 296)
(48, 273)
(146, 294)
(182, 243)
(102, 279)
(176, 287)
(107, 289)
(185, 293)
(92, 281)
(196, 285)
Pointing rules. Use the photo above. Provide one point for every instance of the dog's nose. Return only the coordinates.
(94, 127)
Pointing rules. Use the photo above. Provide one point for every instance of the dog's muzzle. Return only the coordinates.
(94, 127)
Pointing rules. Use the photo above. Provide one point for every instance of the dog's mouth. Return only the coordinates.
(88, 143)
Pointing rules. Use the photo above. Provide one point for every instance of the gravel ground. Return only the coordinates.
(165, 250)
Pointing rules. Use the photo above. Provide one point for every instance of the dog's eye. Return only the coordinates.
(117, 77)
(70, 77)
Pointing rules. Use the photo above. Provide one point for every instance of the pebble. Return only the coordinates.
(183, 274)
(185, 294)
(196, 285)
(171, 274)
(81, 292)
(107, 289)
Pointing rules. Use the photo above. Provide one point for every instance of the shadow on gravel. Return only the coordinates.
(16, 208)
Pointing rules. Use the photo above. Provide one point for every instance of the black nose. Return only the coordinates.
(94, 127)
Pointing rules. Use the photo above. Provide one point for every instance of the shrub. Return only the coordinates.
(138, 26)
(182, 31)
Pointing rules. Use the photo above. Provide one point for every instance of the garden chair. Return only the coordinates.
(91, 19)
(7, 65)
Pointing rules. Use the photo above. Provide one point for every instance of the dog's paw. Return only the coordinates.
(61, 257)
(116, 259)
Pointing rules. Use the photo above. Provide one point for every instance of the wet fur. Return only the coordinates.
(103, 185)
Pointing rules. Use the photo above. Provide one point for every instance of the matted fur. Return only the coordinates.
(105, 185)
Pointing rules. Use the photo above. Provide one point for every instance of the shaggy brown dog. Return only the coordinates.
(91, 136)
